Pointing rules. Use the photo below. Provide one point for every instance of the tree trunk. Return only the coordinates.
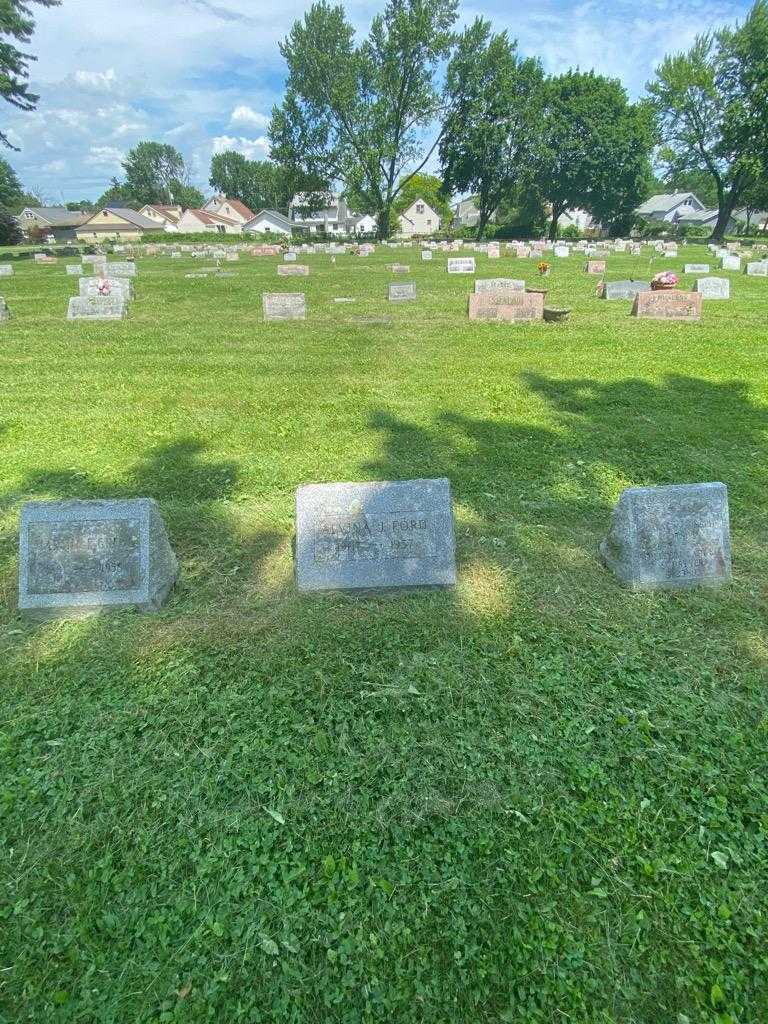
(724, 215)
(482, 224)
(556, 211)
(382, 225)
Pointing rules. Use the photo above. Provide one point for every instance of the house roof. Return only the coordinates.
(755, 216)
(137, 219)
(415, 201)
(211, 218)
(699, 217)
(219, 200)
(274, 216)
(58, 216)
(665, 203)
(172, 213)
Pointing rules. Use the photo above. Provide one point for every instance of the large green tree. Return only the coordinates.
(17, 24)
(711, 102)
(594, 149)
(154, 173)
(357, 114)
(11, 192)
(491, 131)
(259, 184)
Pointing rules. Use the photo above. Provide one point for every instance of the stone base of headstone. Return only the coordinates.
(507, 307)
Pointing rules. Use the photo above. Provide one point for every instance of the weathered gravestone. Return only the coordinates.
(667, 537)
(292, 270)
(400, 268)
(595, 267)
(613, 290)
(126, 269)
(289, 257)
(74, 269)
(758, 268)
(5, 313)
(96, 307)
(667, 305)
(77, 557)
(696, 268)
(6, 270)
(498, 284)
(426, 254)
(375, 536)
(730, 262)
(405, 292)
(461, 265)
(284, 305)
(507, 307)
(103, 286)
(714, 287)
(561, 251)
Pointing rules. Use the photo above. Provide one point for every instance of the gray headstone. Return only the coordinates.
(124, 269)
(759, 268)
(624, 289)
(6, 270)
(461, 265)
(284, 305)
(696, 268)
(426, 254)
(120, 286)
(562, 251)
(669, 537)
(74, 269)
(405, 292)
(713, 287)
(375, 536)
(77, 557)
(498, 284)
(96, 307)
(730, 262)
(5, 313)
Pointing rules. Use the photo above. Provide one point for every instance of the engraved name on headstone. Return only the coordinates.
(284, 305)
(758, 268)
(292, 270)
(405, 292)
(498, 284)
(375, 536)
(124, 269)
(461, 265)
(667, 305)
(696, 268)
(96, 307)
(507, 307)
(668, 537)
(83, 556)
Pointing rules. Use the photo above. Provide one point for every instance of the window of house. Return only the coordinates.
(428, 221)
(419, 207)
(220, 228)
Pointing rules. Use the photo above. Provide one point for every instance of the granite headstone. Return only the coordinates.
(284, 305)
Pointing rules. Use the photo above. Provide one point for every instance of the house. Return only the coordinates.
(418, 219)
(334, 218)
(467, 215)
(576, 218)
(757, 219)
(705, 219)
(57, 221)
(231, 209)
(166, 217)
(198, 221)
(363, 224)
(114, 222)
(671, 208)
(269, 222)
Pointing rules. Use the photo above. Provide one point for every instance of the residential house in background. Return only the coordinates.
(114, 222)
(672, 208)
(576, 218)
(334, 218)
(199, 221)
(230, 209)
(757, 219)
(55, 221)
(166, 217)
(705, 219)
(467, 215)
(418, 219)
(269, 222)
(363, 224)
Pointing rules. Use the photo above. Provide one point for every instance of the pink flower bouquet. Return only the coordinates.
(666, 279)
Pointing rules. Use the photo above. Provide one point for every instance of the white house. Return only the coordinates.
(196, 221)
(418, 219)
(269, 222)
(672, 208)
(166, 217)
(467, 215)
(335, 217)
(363, 224)
(231, 209)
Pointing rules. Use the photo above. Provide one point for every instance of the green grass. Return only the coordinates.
(538, 798)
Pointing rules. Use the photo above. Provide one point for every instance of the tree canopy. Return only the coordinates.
(154, 173)
(356, 114)
(11, 192)
(260, 184)
(17, 24)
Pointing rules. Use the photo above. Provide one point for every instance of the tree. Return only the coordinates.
(711, 104)
(10, 186)
(421, 186)
(17, 22)
(84, 204)
(356, 114)
(154, 173)
(187, 196)
(259, 184)
(755, 200)
(10, 232)
(115, 195)
(490, 133)
(594, 149)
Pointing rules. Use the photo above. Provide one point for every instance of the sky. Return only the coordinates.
(204, 74)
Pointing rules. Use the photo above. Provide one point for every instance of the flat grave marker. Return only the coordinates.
(284, 306)
(461, 265)
(405, 292)
(697, 268)
(758, 268)
(613, 290)
(7, 270)
(292, 270)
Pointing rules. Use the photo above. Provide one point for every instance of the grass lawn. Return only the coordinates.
(537, 798)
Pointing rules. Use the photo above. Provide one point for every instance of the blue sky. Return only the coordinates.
(204, 74)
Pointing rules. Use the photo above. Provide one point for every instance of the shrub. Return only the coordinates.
(10, 232)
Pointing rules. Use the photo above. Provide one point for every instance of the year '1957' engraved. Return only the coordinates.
(89, 556)
(374, 537)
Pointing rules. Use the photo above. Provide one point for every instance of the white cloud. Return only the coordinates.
(96, 79)
(253, 149)
(104, 156)
(244, 114)
(54, 167)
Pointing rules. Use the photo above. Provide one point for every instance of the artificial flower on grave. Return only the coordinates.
(543, 268)
(666, 279)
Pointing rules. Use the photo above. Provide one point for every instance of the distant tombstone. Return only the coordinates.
(96, 307)
(561, 251)
(757, 269)
(5, 313)
(6, 270)
(126, 269)
(74, 269)
(375, 536)
(462, 265)
(498, 284)
(523, 252)
(696, 268)
(405, 292)
(232, 257)
(713, 287)
(494, 252)
(77, 557)
(284, 306)
(292, 270)
(667, 305)
(289, 257)
(613, 290)
(426, 254)
(619, 245)
(730, 262)
(670, 537)
(595, 267)
(508, 307)
(400, 268)
(103, 286)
